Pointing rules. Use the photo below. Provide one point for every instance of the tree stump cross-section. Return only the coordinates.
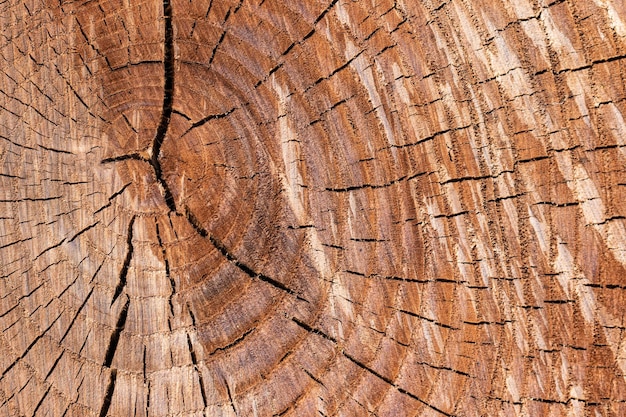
(340, 208)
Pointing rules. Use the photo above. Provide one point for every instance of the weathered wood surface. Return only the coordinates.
(302, 208)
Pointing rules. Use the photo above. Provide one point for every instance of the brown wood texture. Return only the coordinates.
(302, 208)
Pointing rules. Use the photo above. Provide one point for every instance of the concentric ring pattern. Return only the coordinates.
(302, 208)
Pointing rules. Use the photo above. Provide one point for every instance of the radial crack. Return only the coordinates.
(121, 283)
(194, 360)
(115, 336)
(135, 155)
(69, 327)
(168, 102)
(193, 221)
(234, 343)
(167, 268)
(208, 119)
(313, 330)
(113, 196)
(390, 382)
(230, 397)
(106, 403)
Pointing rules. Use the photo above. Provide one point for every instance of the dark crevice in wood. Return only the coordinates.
(128, 123)
(191, 315)
(145, 378)
(54, 365)
(436, 323)
(9, 310)
(214, 51)
(83, 231)
(251, 272)
(303, 226)
(193, 221)
(194, 360)
(276, 68)
(108, 394)
(429, 138)
(234, 343)
(35, 109)
(389, 278)
(313, 377)
(486, 323)
(337, 70)
(181, 114)
(135, 155)
(80, 99)
(313, 330)
(445, 368)
(95, 274)
(367, 240)
(55, 150)
(29, 347)
(285, 411)
(76, 315)
(321, 16)
(121, 283)
(16, 242)
(208, 119)
(230, 397)
(390, 382)
(21, 200)
(377, 186)
(168, 103)
(229, 13)
(112, 197)
(148, 389)
(467, 178)
(115, 336)
(41, 401)
(50, 248)
(11, 176)
(69, 285)
(167, 269)
(304, 38)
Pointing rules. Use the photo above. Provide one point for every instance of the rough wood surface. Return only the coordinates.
(299, 208)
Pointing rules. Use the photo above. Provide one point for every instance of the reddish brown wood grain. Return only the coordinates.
(298, 208)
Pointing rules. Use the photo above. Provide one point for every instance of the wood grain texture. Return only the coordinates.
(345, 208)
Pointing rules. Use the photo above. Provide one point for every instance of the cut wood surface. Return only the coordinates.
(302, 208)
